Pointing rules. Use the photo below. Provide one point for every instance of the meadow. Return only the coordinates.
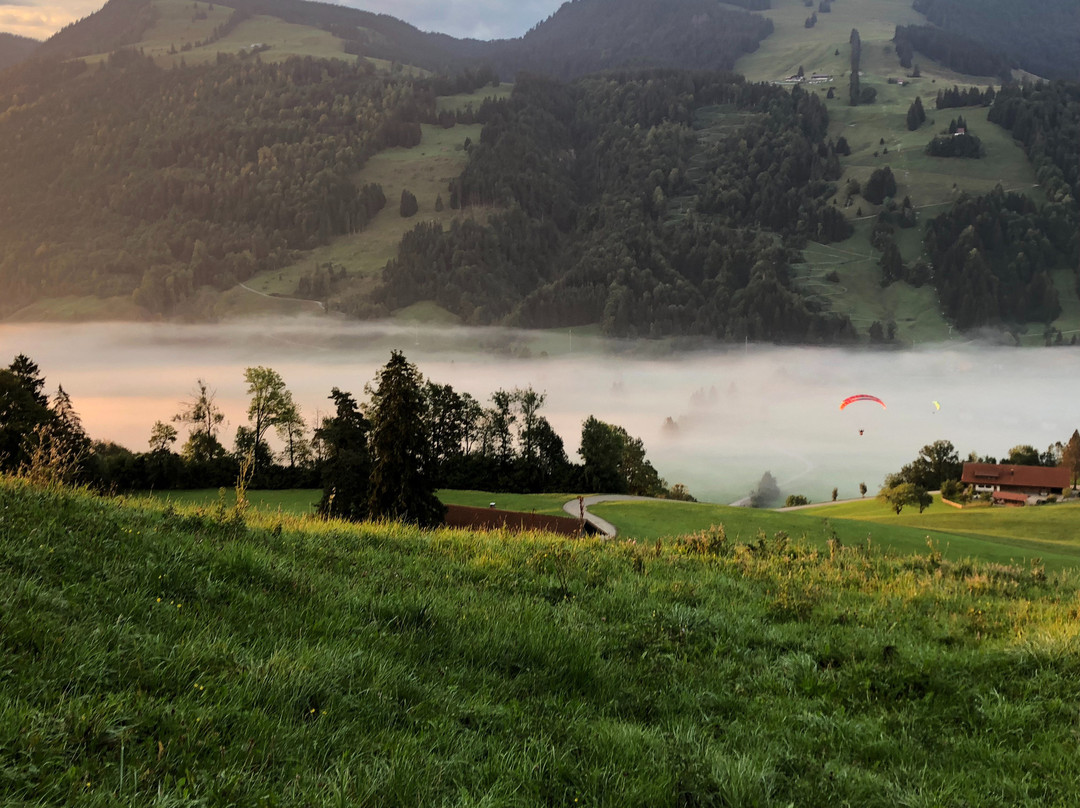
(425, 170)
(1045, 536)
(153, 655)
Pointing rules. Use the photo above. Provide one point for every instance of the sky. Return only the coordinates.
(479, 19)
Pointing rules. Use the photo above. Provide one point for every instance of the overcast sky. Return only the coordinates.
(480, 19)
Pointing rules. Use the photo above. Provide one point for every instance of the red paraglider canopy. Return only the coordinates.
(861, 397)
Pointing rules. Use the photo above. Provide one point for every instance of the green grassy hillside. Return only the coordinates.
(997, 535)
(932, 183)
(156, 656)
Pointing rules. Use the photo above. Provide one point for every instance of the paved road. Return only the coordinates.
(603, 525)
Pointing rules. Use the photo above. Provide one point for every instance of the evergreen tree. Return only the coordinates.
(409, 205)
(23, 410)
(855, 93)
(402, 483)
(915, 114)
(347, 463)
(1070, 457)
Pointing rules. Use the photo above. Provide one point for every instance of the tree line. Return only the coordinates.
(380, 457)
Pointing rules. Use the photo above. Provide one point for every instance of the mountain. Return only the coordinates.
(195, 147)
(114, 25)
(586, 36)
(15, 49)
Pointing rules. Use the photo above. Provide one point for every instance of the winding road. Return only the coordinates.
(602, 525)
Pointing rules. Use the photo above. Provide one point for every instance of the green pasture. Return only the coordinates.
(299, 502)
(460, 101)
(998, 535)
(792, 44)
(857, 289)
(295, 502)
(177, 26)
(77, 309)
(425, 170)
(161, 656)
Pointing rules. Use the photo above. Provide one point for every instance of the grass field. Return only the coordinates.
(154, 656)
(298, 502)
(181, 23)
(999, 535)
(78, 309)
(461, 101)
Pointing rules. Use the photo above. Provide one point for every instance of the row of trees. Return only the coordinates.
(954, 50)
(380, 458)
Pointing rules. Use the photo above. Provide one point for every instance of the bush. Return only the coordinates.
(795, 499)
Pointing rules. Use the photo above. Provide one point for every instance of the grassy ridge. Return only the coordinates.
(150, 656)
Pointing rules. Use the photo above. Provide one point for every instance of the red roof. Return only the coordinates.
(1043, 477)
(1011, 496)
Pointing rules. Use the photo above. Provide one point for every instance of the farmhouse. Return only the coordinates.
(1016, 485)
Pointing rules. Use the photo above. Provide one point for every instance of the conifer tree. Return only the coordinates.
(402, 483)
(347, 463)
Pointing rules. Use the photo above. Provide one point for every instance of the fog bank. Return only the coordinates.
(737, 411)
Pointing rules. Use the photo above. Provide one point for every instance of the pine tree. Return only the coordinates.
(402, 484)
(347, 463)
(1070, 457)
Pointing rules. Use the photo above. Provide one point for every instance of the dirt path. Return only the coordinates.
(609, 530)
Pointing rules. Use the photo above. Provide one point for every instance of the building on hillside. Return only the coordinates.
(1016, 485)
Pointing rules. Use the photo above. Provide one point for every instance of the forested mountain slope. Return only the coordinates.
(15, 49)
(1042, 36)
(127, 179)
(619, 209)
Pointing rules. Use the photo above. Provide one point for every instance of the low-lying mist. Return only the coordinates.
(735, 412)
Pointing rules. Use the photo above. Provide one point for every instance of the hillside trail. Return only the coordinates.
(319, 303)
(609, 530)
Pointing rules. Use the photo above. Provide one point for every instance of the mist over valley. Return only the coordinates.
(737, 411)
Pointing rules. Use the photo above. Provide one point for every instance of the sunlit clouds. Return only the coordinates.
(42, 20)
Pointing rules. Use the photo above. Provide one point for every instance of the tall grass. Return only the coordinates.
(157, 656)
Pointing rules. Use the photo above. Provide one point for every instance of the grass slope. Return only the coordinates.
(150, 656)
(997, 535)
(1000, 535)
(425, 170)
(932, 183)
